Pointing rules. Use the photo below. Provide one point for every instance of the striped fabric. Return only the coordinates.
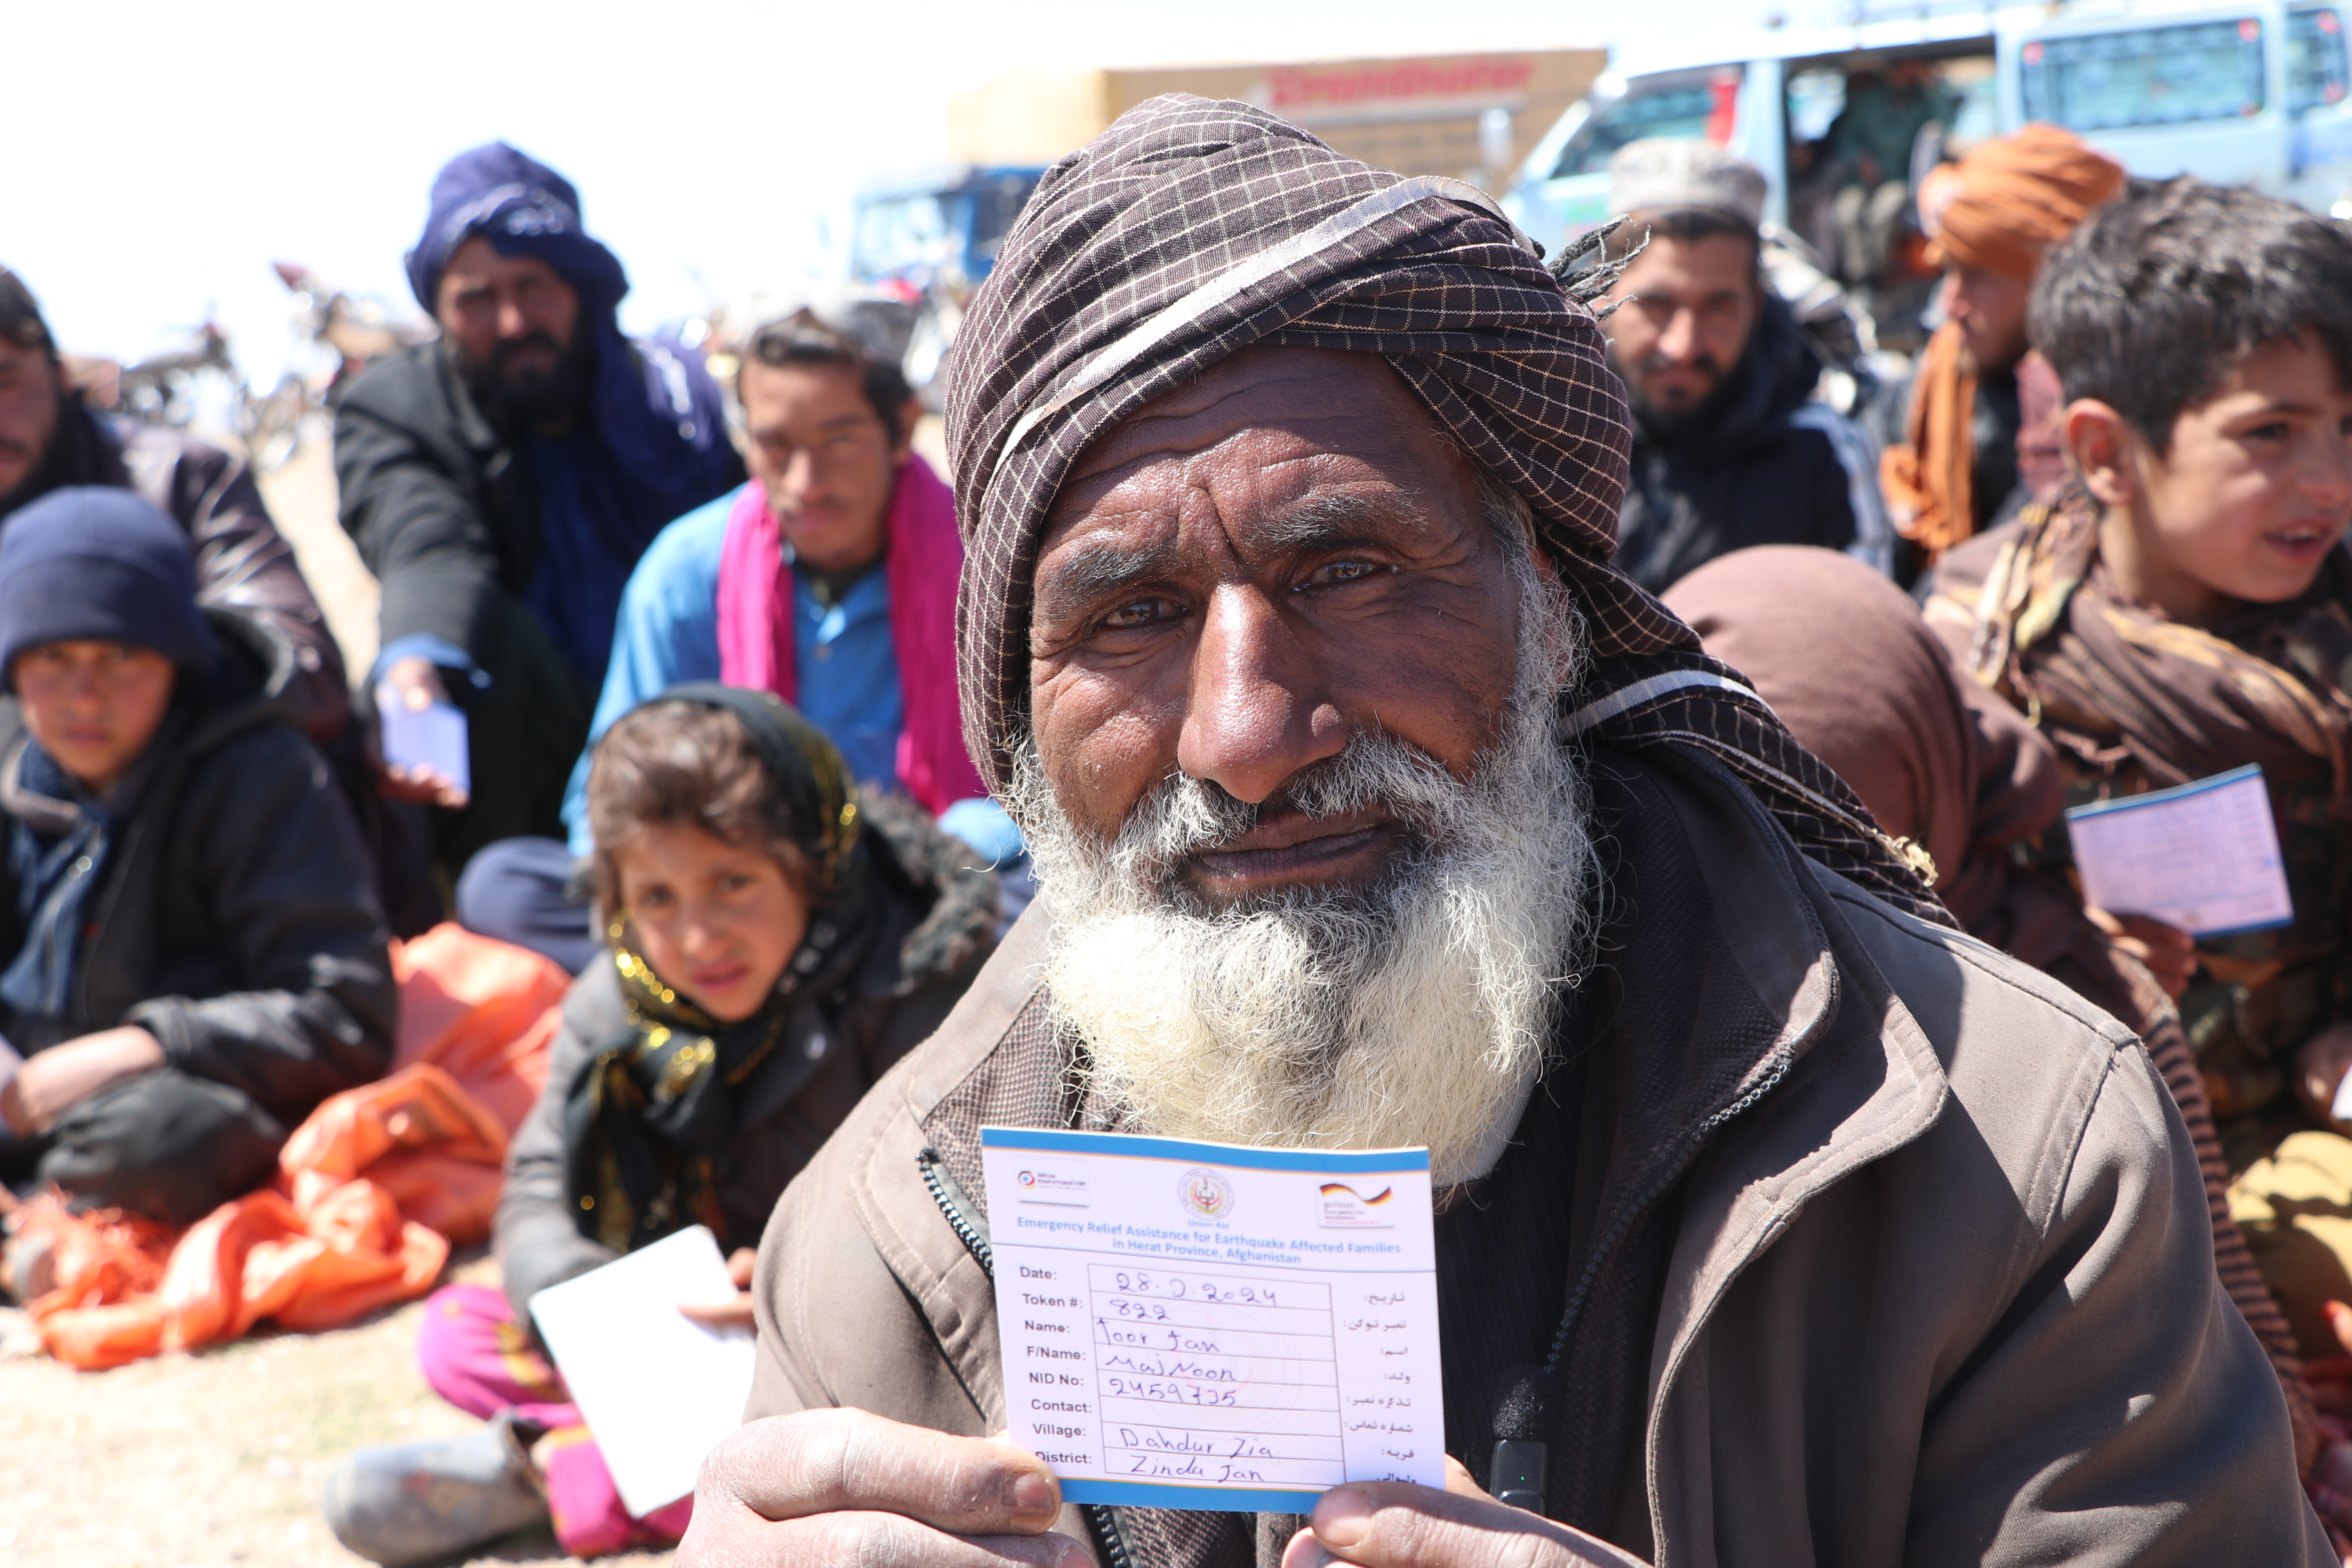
(2168, 1046)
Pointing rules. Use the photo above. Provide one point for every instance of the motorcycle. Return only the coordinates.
(339, 335)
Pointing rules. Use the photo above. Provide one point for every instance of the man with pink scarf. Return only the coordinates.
(829, 579)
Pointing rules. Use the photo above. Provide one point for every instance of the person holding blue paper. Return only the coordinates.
(192, 953)
(1777, 1221)
(2185, 609)
(829, 579)
(502, 481)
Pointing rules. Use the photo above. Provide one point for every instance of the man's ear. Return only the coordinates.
(908, 413)
(2099, 446)
(1566, 653)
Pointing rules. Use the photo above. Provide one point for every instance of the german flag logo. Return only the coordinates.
(1335, 1189)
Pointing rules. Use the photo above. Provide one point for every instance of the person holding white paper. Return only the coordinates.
(1850, 665)
(2185, 610)
(774, 941)
(1776, 1220)
(501, 480)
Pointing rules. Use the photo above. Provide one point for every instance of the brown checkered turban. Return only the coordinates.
(1190, 230)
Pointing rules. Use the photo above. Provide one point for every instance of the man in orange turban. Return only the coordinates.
(1989, 219)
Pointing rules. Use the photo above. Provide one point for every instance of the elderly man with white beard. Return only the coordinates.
(1372, 808)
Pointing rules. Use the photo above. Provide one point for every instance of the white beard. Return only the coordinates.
(1417, 1011)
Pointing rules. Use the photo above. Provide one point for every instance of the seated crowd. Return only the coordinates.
(1724, 948)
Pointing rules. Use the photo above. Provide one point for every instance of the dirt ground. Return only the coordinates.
(199, 1461)
(196, 1461)
(301, 497)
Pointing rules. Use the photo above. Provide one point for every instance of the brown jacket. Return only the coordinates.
(1942, 1294)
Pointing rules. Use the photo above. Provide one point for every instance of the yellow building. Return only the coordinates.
(1420, 115)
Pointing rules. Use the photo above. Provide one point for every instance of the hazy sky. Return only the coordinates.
(159, 157)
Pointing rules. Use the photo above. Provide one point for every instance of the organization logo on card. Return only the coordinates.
(1045, 1187)
(1345, 1208)
(1208, 1194)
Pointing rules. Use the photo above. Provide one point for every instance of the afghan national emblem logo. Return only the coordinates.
(1208, 1194)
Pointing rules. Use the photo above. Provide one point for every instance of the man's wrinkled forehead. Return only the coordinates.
(1306, 403)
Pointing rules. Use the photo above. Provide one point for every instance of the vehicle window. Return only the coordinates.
(998, 200)
(898, 238)
(1816, 98)
(1979, 116)
(2151, 75)
(1670, 112)
(2316, 70)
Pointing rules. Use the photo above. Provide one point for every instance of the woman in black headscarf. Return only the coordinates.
(776, 941)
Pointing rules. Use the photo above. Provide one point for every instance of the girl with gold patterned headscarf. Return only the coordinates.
(775, 942)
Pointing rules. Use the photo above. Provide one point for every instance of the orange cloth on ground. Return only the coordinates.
(1999, 209)
(373, 1189)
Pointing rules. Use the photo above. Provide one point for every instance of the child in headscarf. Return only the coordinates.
(775, 942)
(2186, 608)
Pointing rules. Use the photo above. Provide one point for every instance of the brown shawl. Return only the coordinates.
(1846, 660)
(2120, 687)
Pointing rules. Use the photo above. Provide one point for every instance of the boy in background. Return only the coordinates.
(192, 951)
(2185, 607)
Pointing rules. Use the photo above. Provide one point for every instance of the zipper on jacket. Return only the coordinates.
(1108, 1530)
(952, 1204)
(1526, 1464)
(1631, 1213)
(102, 923)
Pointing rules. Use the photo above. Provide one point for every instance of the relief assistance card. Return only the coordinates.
(2203, 856)
(1207, 1326)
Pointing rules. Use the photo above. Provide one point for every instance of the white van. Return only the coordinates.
(2252, 93)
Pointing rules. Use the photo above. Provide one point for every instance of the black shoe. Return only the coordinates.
(416, 1502)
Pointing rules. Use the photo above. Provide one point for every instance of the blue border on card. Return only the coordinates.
(1212, 1500)
(2244, 931)
(2196, 786)
(2158, 796)
(1239, 1155)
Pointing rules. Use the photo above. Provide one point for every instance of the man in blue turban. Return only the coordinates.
(502, 482)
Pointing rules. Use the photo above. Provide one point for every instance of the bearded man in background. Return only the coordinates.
(1373, 807)
(1732, 448)
(502, 481)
